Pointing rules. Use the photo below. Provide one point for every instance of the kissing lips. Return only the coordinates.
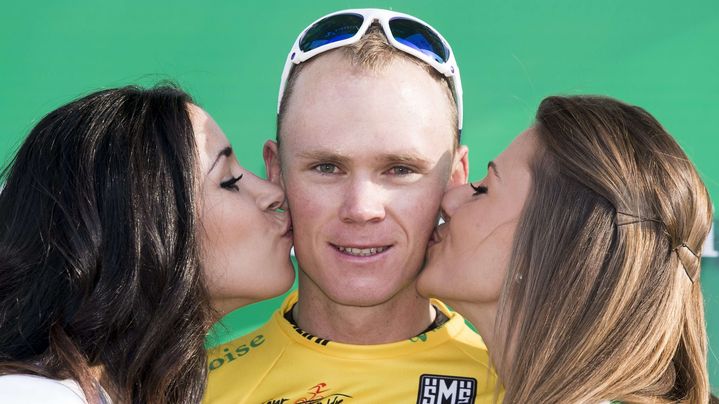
(288, 232)
(436, 235)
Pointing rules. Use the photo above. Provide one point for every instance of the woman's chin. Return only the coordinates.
(281, 282)
(287, 281)
(428, 281)
(278, 278)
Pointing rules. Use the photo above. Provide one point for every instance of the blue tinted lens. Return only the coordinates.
(420, 37)
(331, 29)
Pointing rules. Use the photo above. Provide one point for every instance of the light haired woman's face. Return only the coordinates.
(245, 241)
(469, 254)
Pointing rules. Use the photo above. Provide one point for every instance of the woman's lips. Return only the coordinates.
(288, 230)
(437, 235)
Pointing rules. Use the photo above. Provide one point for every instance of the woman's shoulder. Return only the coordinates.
(31, 389)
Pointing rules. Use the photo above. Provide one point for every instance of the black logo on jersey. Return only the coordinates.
(437, 389)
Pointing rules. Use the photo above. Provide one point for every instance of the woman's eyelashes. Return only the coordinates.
(231, 184)
(478, 189)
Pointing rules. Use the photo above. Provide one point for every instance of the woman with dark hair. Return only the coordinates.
(578, 259)
(127, 228)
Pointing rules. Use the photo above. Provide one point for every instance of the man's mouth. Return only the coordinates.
(362, 252)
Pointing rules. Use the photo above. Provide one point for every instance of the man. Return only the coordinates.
(367, 142)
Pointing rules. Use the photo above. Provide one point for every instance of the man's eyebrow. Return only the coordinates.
(226, 152)
(390, 158)
(323, 155)
(406, 158)
(493, 166)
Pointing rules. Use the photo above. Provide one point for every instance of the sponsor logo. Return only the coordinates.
(320, 393)
(230, 354)
(437, 389)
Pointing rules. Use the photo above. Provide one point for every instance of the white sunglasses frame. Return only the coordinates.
(449, 68)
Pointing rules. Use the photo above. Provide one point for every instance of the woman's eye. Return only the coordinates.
(478, 189)
(401, 170)
(326, 168)
(231, 184)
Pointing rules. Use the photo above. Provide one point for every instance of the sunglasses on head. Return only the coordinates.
(404, 32)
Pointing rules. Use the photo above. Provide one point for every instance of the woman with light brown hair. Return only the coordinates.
(578, 259)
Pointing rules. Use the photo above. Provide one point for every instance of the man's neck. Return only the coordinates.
(405, 315)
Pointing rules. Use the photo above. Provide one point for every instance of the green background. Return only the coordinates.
(661, 55)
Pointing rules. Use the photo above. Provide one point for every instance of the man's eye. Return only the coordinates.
(326, 168)
(401, 170)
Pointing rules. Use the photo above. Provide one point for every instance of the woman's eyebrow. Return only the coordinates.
(493, 166)
(226, 152)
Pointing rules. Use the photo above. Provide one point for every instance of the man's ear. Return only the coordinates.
(273, 169)
(460, 167)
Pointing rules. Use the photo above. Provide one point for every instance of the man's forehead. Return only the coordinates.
(400, 104)
(339, 69)
(369, 137)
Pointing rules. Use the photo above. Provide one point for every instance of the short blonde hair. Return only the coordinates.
(372, 52)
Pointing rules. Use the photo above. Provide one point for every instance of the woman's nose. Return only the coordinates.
(454, 198)
(269, 196)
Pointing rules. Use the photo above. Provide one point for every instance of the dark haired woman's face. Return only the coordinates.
(245, 241)
(469, 255)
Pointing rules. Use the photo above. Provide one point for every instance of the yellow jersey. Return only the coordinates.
(279, 363)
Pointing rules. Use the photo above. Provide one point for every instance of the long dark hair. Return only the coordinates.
(603, 299)
(99, 260)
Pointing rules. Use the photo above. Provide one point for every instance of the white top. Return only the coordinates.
(31, 389)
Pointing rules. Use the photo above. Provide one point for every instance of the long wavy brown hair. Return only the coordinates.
(603, 300)
(99, 259)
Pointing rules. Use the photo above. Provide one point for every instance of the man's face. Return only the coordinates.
(365, 157)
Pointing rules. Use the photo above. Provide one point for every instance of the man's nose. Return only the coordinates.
(364, 201)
